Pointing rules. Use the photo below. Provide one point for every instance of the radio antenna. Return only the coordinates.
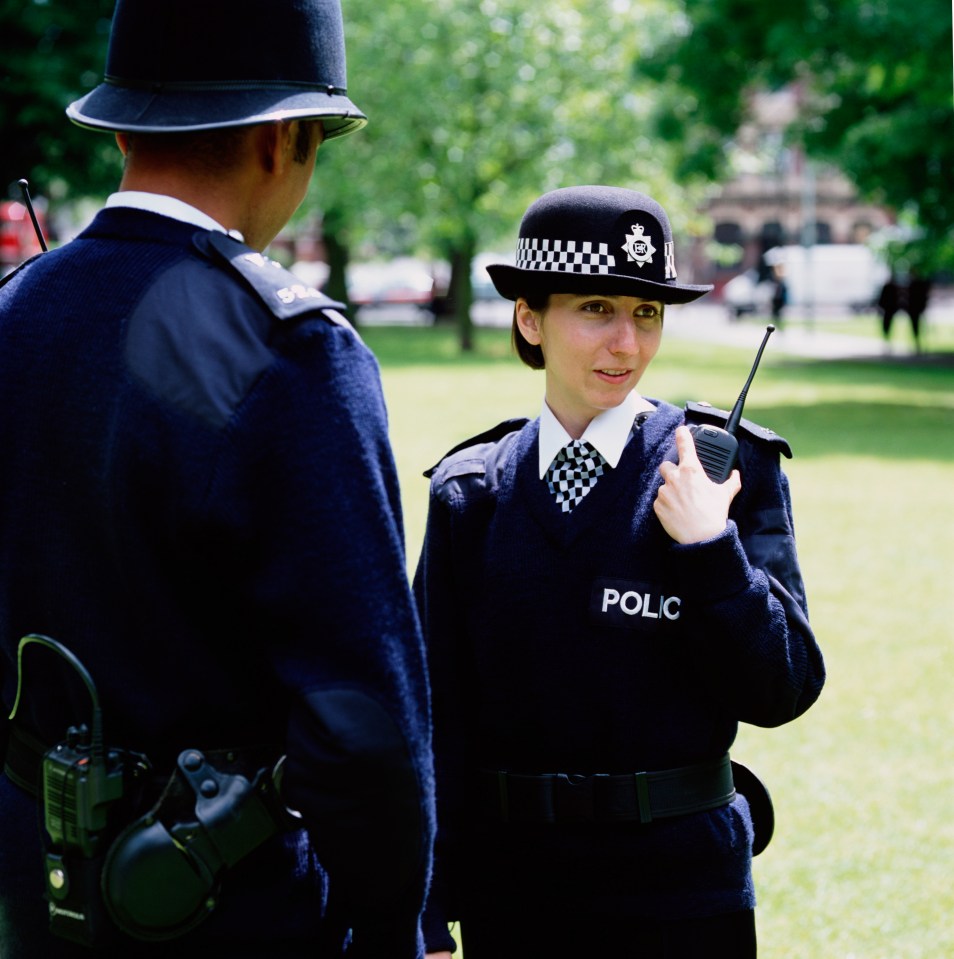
(25, 190)
(736, 415)
(717, 448)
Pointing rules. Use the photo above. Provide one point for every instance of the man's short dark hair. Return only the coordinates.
(215, 151)
(207, 151)
(305, 138)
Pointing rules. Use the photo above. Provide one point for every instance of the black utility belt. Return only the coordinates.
(127, 851)
(606, 797)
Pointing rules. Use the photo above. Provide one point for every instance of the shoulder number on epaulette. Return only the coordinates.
(281, 291)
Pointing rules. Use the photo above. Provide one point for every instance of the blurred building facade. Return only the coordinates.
(777, 197)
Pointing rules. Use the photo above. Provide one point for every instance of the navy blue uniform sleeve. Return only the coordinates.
(462, 492)
(751, 633)
(331, 586)
(434, 591)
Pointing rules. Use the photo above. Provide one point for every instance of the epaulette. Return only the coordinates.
(705, 413)
(493, 435)
(281, 291)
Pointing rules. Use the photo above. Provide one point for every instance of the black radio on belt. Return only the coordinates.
(86, 792)
(86, 799)
(115, 865)
(80, 784)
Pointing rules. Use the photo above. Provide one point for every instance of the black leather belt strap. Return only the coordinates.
(603, 797)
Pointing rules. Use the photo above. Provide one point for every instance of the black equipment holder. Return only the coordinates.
(157, 877)
(162, 875)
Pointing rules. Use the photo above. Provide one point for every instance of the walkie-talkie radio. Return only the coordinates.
(85, 788)
(120, 862)
(717, 448)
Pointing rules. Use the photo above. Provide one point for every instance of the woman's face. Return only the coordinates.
(596, 349)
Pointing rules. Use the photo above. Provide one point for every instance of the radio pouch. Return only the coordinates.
(162, 875)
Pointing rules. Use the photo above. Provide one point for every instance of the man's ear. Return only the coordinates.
(271, 143)
(528, 322)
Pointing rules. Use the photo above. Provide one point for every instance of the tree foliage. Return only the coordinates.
(53, 52)
(875, 79)
(478, 106)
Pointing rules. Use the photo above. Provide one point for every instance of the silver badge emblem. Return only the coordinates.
(638, 246)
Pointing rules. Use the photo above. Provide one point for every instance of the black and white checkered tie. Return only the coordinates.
(573, 473)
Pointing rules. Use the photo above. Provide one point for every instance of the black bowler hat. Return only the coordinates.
(595, 239)
(177, 65)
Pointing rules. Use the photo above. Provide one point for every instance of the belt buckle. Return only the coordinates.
(573, 798)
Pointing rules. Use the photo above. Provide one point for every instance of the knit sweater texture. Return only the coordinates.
(197, 497)
(536, 667)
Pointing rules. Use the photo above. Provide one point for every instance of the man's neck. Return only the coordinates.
(166, 206)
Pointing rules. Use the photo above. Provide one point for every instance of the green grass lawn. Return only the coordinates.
(937, 335)
(862, 864)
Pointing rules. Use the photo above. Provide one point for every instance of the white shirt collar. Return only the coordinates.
(608, 431)
(168, 206)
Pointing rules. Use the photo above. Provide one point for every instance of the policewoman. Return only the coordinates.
(199, 507)
(599, 617)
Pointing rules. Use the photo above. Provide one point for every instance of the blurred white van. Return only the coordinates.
(844, 276)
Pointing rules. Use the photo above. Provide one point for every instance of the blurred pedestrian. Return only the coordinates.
(918, 294)
(889, 302)
(599, 617)
(198, 503)
(779, 293)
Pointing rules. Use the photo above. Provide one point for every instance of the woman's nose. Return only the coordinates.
(624, 339)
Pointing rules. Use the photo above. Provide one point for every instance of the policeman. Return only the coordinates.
(198, 503)
(600, 616)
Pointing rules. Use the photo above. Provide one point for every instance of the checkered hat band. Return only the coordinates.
(564, 256)
(573, 473)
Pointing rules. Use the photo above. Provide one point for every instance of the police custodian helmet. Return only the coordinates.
(595, 239)
(178, 65)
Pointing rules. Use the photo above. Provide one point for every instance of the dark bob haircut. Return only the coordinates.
(531, 354)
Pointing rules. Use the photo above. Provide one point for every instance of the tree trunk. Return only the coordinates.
(338, 256)
(462, 293)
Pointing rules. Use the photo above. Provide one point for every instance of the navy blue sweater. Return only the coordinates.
(536, 667)
(198, 498)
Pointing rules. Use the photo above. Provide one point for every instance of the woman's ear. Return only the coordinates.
(528, 322)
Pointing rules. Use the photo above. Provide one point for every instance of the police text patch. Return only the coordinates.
(629, 605)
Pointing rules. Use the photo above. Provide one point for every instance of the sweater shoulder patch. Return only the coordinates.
(698, 412)
(471, 456)
(282, 292)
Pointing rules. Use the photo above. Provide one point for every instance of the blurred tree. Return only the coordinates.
(875, 81)
(478, 106)
(51, 53)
